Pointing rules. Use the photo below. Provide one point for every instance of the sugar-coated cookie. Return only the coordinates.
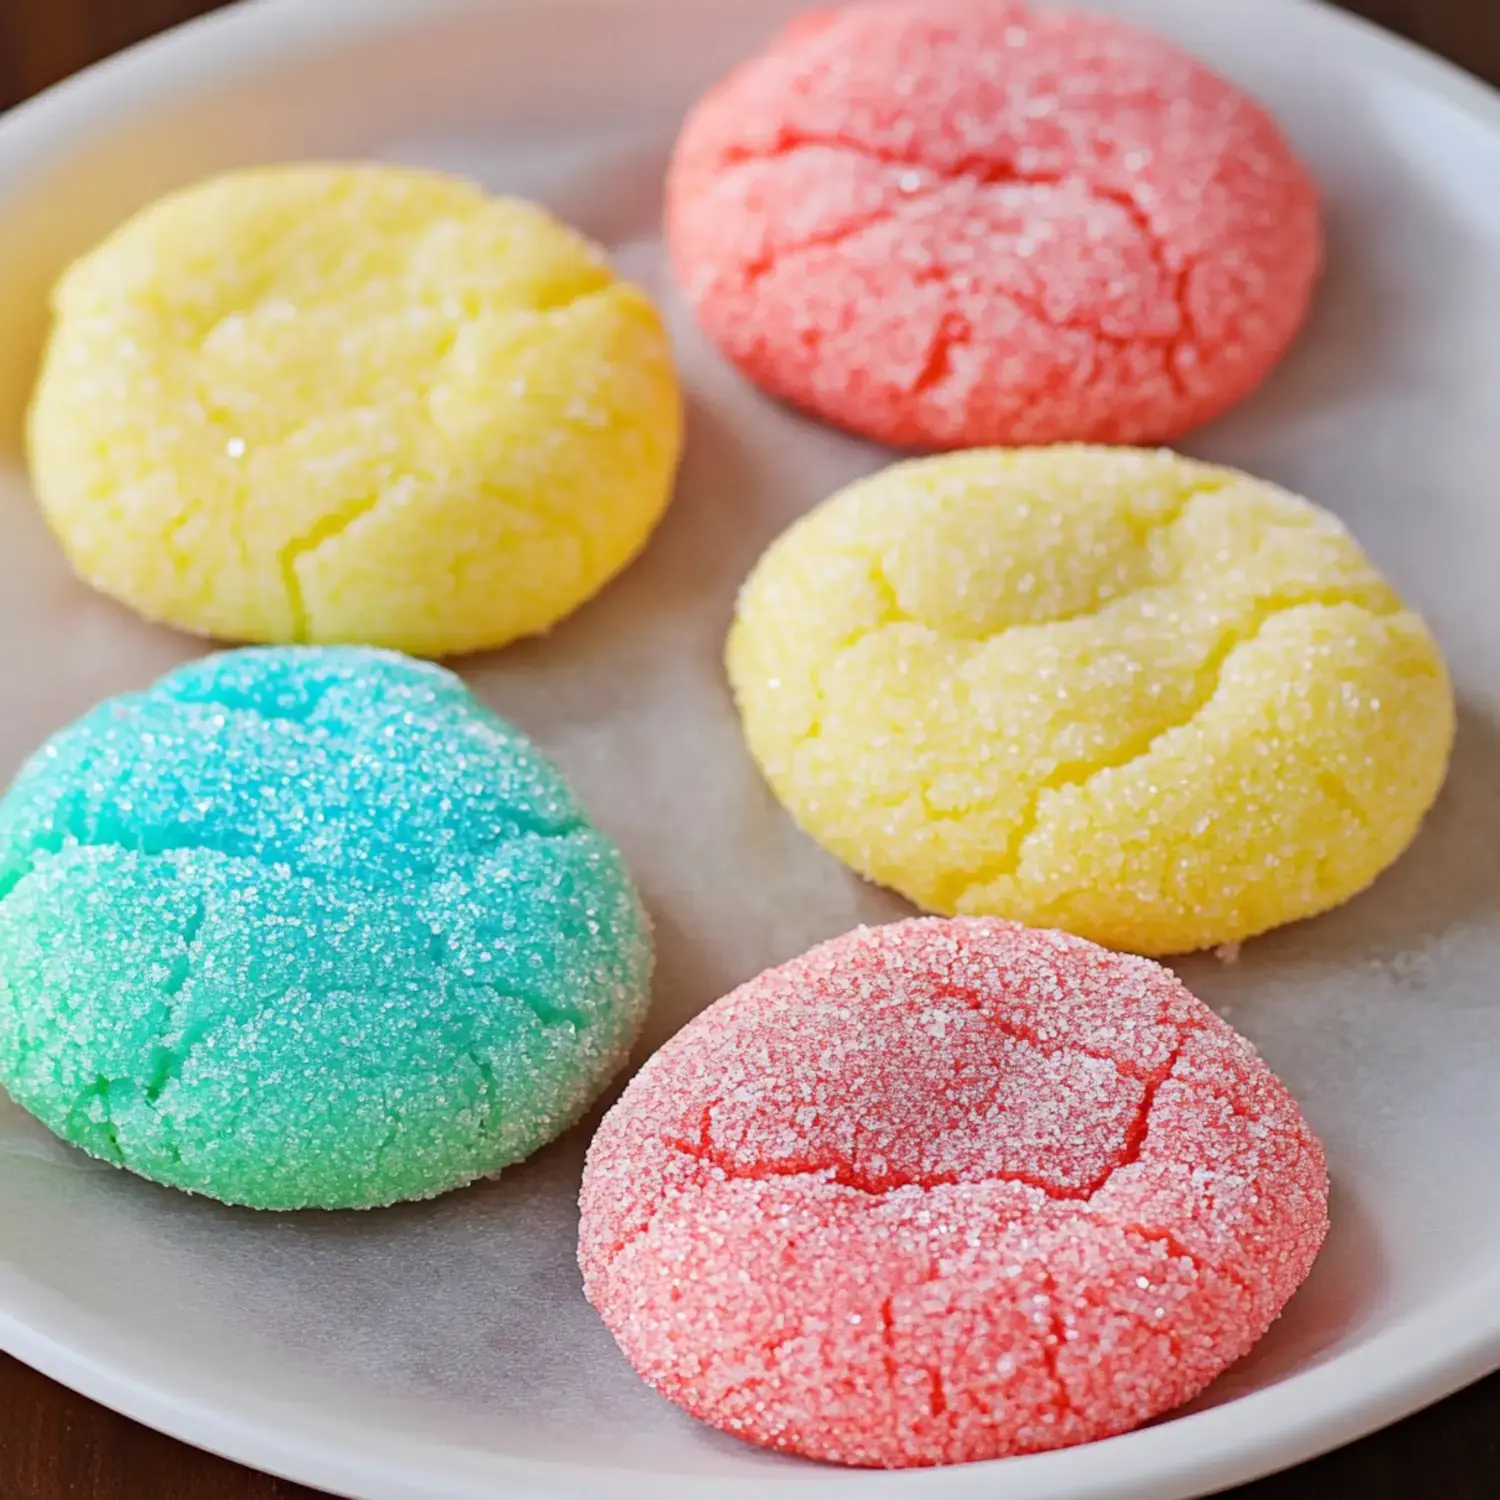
(1153, 702)
(369, 404)
(947, 223)
(948, 1190)
(309, 927)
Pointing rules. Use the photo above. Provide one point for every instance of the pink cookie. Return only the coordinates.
(948, 1190)
(961, 223)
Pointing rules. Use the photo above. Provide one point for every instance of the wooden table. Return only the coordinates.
(57, 1446)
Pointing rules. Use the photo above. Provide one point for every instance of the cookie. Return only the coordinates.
(309, 928)
(948, 1190)
(1153, 702)
(962, 222)
(364, 404)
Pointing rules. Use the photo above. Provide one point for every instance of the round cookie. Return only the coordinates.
(1153, 702)
(309, 928)
(948, 1190)
(368, 404)
(959, 222)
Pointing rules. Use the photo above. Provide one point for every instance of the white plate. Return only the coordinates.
(445, 1349)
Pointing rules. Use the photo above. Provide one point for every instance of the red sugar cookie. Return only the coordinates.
(948, 1190)
(962, 223)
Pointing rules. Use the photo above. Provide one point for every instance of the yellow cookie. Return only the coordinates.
(1160, 704)
(326, 403)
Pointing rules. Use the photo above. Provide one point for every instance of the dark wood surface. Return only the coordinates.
(55, 1445)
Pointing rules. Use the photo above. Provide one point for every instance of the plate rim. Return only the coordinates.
(1425, 1356)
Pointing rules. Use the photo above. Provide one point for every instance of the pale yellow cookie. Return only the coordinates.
(325, 403)
(1159, 704)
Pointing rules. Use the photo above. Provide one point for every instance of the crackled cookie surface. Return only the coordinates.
(1157, 703)
(948, 1190)
(368, 404)
(309, 928)
(962, 222)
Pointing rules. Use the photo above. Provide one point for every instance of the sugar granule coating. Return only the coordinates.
(1159, 704)
(948, 1190)
(366, 404)
(309, 928)
(951, 224)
